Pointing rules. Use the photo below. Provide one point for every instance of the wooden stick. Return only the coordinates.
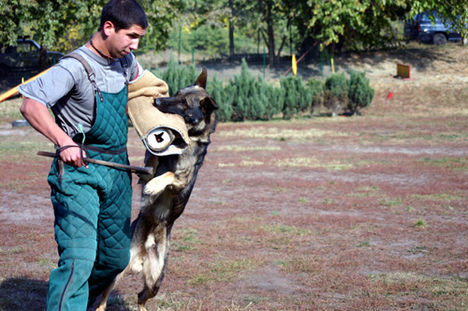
(132, 168)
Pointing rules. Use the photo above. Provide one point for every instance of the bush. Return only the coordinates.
(179, 76)
(297, 98)
(335, 93)
(254, 98)
(360, 94)
(224, 96)
(274, 97)
(316, 89)
(243, 86)
(246, 97)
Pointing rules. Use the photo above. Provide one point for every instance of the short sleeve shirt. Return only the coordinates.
(67, 91)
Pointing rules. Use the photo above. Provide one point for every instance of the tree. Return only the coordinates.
(48, 21)
(453, 11)
(364, 24)
(272, 22)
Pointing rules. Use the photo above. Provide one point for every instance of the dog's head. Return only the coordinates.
(194, 104)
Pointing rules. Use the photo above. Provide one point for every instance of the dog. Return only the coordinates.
(166, 194)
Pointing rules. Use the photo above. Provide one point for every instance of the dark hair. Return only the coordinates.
(123, 14)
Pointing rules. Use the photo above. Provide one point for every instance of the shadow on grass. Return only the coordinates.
(23, 294)
(18, 294)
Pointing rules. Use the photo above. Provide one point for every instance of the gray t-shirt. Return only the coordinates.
(66, 89)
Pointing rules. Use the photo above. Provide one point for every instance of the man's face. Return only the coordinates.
(122, 42)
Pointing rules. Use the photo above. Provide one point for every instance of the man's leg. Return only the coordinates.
(113, 252)
(76, 208)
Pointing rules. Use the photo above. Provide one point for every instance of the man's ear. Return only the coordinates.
(108, 28)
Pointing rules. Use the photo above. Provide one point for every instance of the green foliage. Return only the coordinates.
(453, 11)
(274, 100)
(178, 76)
(49, 21)
(315, 87)
(246, 97)
(208, 40)
(161, 15)
(336, 84)
(297, 98)
(335, 92)
(360, 94)
(224, 97)
(365, 24)
(248, 103)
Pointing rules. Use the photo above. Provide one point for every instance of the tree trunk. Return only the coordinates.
(270, 36)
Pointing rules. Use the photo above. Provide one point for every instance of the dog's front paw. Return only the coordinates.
(157, 185)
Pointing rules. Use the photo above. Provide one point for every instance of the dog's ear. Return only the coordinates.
(210, 104)
(201, 81)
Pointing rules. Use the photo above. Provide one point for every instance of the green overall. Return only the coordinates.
(92, 208)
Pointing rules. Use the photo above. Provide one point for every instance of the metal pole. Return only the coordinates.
(180, 43)
(264, 61)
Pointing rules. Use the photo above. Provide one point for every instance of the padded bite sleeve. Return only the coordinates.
(161, 133)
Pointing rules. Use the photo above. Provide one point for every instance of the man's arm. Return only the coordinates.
(39, 117)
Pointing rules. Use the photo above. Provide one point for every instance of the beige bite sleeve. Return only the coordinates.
(161, 133)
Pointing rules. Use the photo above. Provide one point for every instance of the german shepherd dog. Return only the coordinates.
(167, 192)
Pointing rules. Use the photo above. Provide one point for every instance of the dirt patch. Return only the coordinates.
(361, 213)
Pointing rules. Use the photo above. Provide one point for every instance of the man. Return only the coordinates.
(92, 203)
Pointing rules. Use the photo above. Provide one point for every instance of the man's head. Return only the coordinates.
(123, 14)
(123, 23)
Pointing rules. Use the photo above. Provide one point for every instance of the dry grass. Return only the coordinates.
(280, 133)
(9, 110)
(360, 213)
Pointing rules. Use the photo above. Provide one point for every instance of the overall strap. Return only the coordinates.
(124, 63)
(89, 71)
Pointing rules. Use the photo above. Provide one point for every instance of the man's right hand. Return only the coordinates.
(71, 155)
(39, 117)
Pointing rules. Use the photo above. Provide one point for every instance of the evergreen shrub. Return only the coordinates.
(297, 98)
(224, 96)
(246, 97)
(179, 76)
(274, 101)
(254, 98)
(315, 87)
(360, 93)
(335, 93)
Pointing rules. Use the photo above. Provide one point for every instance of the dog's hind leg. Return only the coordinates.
(154, 265)
(102, 299)
(137, 253)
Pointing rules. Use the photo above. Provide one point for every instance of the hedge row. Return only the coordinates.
(246, 97)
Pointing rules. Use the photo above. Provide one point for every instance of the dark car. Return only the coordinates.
(427, 30)
(26, 56)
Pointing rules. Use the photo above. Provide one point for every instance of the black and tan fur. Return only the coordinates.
(167, 192)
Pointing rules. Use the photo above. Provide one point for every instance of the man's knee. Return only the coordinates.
(117, 261)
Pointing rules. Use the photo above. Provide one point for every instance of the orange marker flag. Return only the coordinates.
(294, 64)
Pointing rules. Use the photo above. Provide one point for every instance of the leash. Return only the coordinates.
(134, 169)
